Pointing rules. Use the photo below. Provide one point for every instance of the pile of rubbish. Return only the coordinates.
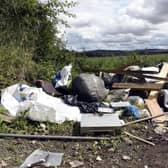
(96, 101)
(100, 103)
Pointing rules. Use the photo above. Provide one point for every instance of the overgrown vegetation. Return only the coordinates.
(113, 62)
(29, 43)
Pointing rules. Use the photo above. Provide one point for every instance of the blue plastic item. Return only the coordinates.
(57, 77)
(135, 111)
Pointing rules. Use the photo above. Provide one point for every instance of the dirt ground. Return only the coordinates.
(122, 152)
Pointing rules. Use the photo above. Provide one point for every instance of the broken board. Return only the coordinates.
(155, 109)
(142, 86)
(99, 123)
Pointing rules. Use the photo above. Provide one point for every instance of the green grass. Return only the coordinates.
(117, 61)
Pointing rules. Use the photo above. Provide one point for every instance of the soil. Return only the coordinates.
(111, 153)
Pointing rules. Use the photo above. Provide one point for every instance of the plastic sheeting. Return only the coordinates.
(38, 105)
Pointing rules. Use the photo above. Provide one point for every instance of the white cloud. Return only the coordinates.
(118, 24)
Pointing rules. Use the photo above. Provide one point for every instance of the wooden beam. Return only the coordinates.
(138, 138)
(155, 110)
(142, 119)
(142, 86)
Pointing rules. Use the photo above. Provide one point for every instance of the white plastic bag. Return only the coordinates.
(39, 105)
(62, 77)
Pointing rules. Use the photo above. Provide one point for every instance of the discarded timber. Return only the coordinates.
(142, 86)
(155, 110)
(50, 137)
(143, 119)
(140, 139)
(163, 73)
(160, 78)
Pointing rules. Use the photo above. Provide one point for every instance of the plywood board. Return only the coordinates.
(155, 109)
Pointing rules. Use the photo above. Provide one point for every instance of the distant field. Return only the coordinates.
(117, 61)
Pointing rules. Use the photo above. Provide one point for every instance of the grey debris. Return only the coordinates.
(125, 157)
(76, 163)
(40, 157)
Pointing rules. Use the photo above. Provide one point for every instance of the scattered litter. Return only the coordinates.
(125, 157)
(98, 158)
(161, 130)
(146, 166)
(43, 126)
(127, 140)
(76, 163)
(3, 164)
(43, 158)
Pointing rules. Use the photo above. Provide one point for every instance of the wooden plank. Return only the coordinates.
(142, 119)
(158, 77)
(142, 86)
(138, 138)
(155, 110)
(163, 73)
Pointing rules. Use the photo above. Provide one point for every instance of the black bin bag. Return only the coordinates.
(89, 88)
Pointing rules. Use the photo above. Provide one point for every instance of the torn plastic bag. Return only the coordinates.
(89, 88)
(62, 77)
(39, 105)
(84, 107)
